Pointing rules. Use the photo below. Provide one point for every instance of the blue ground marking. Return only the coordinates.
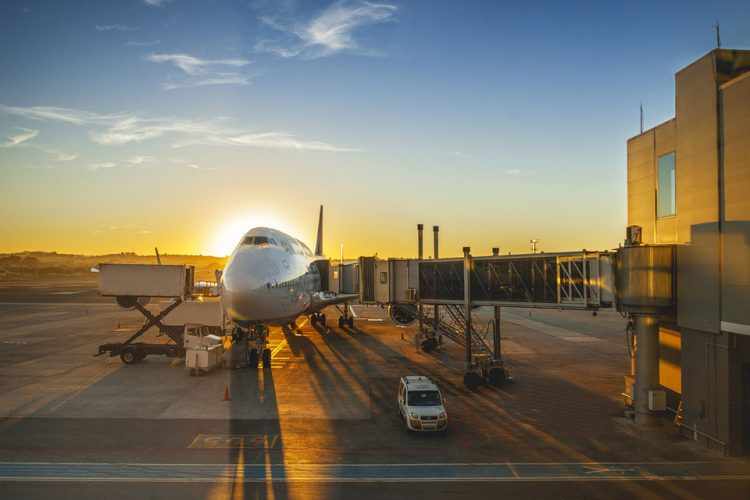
(372, 472)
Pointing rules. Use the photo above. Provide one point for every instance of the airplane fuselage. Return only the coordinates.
(269, 278)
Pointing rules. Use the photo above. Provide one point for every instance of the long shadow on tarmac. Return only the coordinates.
(552, 418)
(261, 440)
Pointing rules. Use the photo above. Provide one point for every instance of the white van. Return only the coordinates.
(421, 405)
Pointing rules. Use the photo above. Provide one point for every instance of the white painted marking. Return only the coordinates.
(554, 331)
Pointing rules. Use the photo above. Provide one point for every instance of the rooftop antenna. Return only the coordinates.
(718, 35)
(641, 118)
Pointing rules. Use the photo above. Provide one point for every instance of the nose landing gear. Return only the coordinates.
(260, 350)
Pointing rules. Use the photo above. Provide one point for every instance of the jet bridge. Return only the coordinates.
(563, 280)
(441, 293)
(566, 280)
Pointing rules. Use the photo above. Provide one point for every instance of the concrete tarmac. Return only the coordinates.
(321, 422)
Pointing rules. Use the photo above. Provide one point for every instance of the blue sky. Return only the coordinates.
(500, 121)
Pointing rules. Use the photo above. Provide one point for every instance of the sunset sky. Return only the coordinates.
(130, 124)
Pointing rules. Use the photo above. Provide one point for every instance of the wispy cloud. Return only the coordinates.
(328, 33)
(192, 65)
(102, 165)
(144, 43)
(60, 156)
(66, 115)
(202, 72)
(156, 3)
(141, 160)
(14, 140)
(115, 27)
(190, 165)
(272, 140)
(220, 79)
(126, 128)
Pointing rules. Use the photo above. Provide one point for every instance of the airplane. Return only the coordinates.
(272, 278)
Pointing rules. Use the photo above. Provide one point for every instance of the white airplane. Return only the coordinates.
(272, 278)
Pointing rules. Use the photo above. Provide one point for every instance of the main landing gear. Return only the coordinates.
(345, 319)
(318, 318)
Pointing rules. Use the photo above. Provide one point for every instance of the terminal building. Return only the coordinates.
(689, 186)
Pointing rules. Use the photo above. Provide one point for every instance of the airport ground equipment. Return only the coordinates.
(133, 286)
(421, 405)
(133, 352)
(204, 350)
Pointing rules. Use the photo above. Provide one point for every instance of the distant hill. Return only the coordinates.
(31, 265)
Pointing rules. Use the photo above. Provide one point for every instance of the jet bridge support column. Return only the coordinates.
(420, 256)
(497, 351)
(436, 311)
(467, 307)
(647, 365)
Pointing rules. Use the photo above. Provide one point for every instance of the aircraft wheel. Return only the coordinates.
(266, 358)
(342, 321)
(322, 319)
(253, 358)
(350, 322)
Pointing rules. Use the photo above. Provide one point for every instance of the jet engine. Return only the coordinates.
(402, 314)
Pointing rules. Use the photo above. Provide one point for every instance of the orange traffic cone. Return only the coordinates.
(227, 397)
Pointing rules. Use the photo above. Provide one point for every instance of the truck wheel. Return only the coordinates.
(129, 356)
(472, 380)
(496, 376)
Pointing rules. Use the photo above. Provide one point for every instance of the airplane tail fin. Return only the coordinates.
(319, 240)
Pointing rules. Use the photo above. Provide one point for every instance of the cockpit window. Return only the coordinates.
(259, 240)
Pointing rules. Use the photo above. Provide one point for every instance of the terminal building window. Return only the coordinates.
(665, 194)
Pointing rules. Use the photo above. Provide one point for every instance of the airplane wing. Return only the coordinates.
(321, 300)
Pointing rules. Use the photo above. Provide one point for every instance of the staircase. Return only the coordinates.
(451, 326)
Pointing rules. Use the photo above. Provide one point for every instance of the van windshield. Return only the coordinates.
(423, 398)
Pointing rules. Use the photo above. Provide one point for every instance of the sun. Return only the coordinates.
(227, 236)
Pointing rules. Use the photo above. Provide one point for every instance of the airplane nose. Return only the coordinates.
(244, 289)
